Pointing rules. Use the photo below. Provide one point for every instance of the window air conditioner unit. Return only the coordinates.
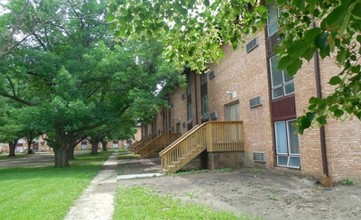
(255, 102)
(213, 115)
(211, 75)
(204, 117)
(259, 157)
(252, 44)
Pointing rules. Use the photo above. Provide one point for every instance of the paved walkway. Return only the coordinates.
(97, 202)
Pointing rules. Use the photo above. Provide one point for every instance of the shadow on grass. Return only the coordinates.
(125, 154)
(78, 167)
(6, 156)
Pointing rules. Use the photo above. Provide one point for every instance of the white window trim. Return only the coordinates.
(283, 84)
(273, 23)
(288, 154)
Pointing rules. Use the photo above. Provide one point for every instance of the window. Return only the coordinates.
(272, 25)
(205, 104)
(189, 112)
(84, 144)
(287, 145)
(282, 83)
(115, 144)
(204, 78)
(188, 85)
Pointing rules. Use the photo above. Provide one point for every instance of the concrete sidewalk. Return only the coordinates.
(97, 202)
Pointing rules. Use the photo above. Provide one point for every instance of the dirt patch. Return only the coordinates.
(265, 193)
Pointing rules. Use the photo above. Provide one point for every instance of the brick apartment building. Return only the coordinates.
(40, 144)
(246, 86)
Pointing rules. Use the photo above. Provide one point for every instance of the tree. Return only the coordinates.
(70, 79)
(194, 31)
(9, 131)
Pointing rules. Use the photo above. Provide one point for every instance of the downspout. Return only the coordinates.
(322, 128)
(196, 97)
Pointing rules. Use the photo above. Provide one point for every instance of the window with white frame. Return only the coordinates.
(115, 144)
(84, 144)
(287, 145)
(273, 13)
(205, 104)
(189, 112)
(282, 82)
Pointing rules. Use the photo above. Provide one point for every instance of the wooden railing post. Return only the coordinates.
(209, 134)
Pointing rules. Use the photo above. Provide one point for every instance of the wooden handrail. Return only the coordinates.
(140, 146)
(184, 136)
(158, 143)
(135, 144)
(217, 136)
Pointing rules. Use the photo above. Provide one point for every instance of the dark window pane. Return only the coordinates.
(293, 138)
(294, 162)
(289, 88)
(275, 72)
(282, 160)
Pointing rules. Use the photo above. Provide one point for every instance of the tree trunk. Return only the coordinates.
(61, 158)
(72, 145)
(94, 148)
(70, 152)
(12, 147)
(29, 141)
(104, 145)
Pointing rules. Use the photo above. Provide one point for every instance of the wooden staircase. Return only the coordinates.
(157, 144)
(134, 145)
(210, 136)
(140, 145)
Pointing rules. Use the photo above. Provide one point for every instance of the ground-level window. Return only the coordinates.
(115, 144)
(84, 144)
(287, 145)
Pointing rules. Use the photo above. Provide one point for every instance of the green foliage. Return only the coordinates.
(69, 79)
(45, 192)
(194, 31)
(143, 203)
(338, 33)
(347, 181)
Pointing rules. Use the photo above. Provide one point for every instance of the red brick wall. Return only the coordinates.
(179, 110)
(310, 145)
(343, 139)
(245, 74)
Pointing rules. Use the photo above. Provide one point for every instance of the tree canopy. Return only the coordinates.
(67, 78)
(193, 32)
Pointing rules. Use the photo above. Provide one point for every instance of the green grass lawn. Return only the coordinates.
(143, 203)
(45, 192)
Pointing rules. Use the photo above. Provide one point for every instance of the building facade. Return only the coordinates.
(247, 86)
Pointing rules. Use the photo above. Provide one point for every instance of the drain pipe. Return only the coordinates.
(322, 128)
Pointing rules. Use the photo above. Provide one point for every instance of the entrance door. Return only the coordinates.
(232, 112)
